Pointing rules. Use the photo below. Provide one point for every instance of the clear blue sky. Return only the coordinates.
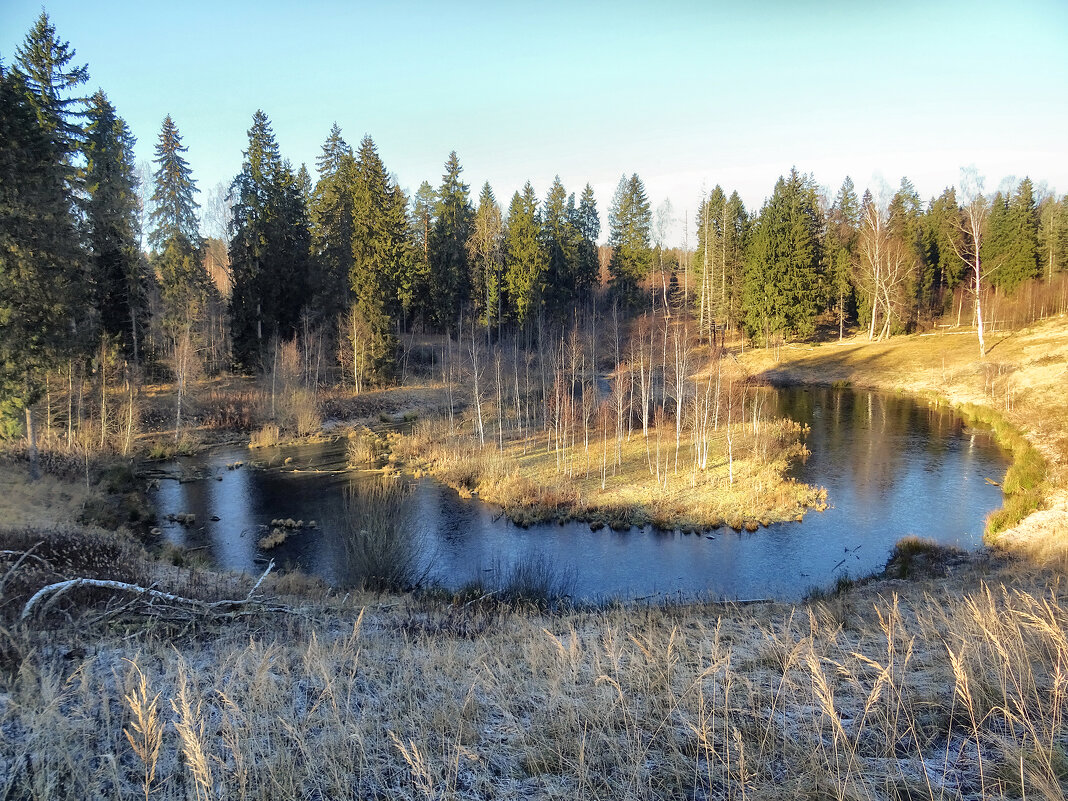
(686, 94)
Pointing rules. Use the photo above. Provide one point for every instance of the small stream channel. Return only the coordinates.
(892, 466)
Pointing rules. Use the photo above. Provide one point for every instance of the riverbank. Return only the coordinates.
(1020, 387)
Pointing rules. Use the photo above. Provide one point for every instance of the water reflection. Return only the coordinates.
(891, 466)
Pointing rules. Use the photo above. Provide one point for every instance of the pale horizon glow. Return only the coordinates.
(687, 94)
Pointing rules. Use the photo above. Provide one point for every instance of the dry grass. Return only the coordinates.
(266, 437)
(532, 482)
(951, 690)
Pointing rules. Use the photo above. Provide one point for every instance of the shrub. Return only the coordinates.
(535, 580)
(912, 555)
(266, 437)
(379, 549)
(361, 449)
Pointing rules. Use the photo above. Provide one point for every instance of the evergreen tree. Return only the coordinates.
(1013, 241)
(782, 278)
(941, 235)
(1053, 235)
(175, 236)
(560, 245)
(269, 247)
(630, 227)
(39, 254)
(905, 226)
(44, 63)
(709, 271)
(524, 268)
(843, 224)
(112, 216)
(735, 238)
(486, 252)
(330, 212)
(588, 225)
(381, 256)
(450, 275)
(304, 186)
(416, 298)
(174, 212)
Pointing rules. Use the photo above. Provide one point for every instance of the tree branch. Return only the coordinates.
(61, 587)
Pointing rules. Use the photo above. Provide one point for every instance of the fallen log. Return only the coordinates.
(61, 587)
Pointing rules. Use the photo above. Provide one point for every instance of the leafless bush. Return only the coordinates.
(379, 547)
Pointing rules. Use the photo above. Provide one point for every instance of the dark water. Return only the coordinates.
(892, 466)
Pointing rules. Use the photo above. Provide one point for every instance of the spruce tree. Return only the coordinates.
(905, 226)
(269, 247)
(560, 244)
(112, 217)
(174, 211)
(783, 275)
(843, 222)
(630, 222)
(588, 225)
(175, 237)
(45, 65)
(416, 297)
(709, 272)
(450, 275)
(381, 257)
(330, 212)
(524, 266)
(486, 253)
(1018, 260)
(39, 255)
(735, 237)
(941, 233)
(1053, 235)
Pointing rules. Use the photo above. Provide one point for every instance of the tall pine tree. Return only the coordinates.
(630, 223)
(112, 216)
(450, 275)
(269, 247)
(39, 244)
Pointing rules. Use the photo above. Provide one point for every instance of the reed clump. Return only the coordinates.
(378, 547)
(266, 437)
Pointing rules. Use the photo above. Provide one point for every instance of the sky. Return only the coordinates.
(687, 95)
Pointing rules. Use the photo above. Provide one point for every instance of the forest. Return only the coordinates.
(108, 281)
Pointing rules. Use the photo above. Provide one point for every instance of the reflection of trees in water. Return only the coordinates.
(870, 438)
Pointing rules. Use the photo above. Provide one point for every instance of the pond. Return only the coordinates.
(892, 466)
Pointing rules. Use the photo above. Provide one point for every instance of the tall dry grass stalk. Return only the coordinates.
(190, 725)
(145, 733)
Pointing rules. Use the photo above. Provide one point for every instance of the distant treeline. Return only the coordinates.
(100, 263)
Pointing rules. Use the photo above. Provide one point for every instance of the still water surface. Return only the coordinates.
(892, 466)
